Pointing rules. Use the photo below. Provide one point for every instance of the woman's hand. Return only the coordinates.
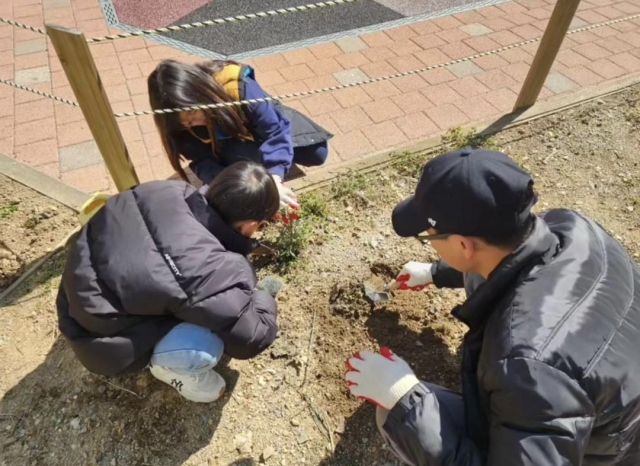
(287, 197)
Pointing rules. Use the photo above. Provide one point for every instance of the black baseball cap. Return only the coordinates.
(469, 192)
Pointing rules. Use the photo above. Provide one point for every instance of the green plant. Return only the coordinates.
(347, 184)
(32, 222)
(290, 242)
(313, 206)
(410, 163)
(457, 138)
(8, 209)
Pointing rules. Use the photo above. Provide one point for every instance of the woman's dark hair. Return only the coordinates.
(174, 85)
(244, 191)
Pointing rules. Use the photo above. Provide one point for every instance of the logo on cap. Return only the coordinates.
(432, 222)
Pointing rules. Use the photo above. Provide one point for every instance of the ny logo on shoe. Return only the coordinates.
(177, 384)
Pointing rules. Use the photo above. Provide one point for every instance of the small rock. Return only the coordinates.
(295, 422)
(302, 438)
(419, 343)
(102, 389)
(243, 442)
(340, 425)
(630, 208)
(261, 381)
(267, 453)
(75, 423)
(331, 219)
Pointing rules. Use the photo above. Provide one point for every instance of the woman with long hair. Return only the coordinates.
(268, 133)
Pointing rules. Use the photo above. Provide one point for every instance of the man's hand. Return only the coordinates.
(414, 276)
(382, 379)
(287, 197)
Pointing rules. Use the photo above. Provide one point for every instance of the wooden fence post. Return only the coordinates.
(77, 61)
(555, 33)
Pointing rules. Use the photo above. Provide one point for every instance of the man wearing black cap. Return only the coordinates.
(551, 361)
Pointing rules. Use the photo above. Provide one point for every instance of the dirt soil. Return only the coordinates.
(290, 405)
(30, 225)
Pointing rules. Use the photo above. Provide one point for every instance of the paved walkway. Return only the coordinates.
(54, 138)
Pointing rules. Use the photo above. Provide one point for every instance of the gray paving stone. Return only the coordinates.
(559, 83)
(84, 154)
(409, 7)
(350, 76)
(41, 74)
(464, 69)
(351, 44)
(30, 46)
(476, 29)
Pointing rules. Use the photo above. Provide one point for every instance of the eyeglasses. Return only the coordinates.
(425, 238)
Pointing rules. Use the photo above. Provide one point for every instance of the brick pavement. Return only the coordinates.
(54, 138)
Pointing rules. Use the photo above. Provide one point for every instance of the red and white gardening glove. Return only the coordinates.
(415, 276)
(382, 379)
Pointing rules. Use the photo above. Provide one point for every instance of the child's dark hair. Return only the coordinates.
(244, 191)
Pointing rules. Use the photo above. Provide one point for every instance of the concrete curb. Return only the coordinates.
(44, 184)
(321, 177)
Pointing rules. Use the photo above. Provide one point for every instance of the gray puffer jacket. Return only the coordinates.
(152, 257)
(551, 362)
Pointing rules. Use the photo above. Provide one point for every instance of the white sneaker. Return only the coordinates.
(203, 387)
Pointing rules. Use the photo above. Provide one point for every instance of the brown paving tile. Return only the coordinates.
(320, 82)
(377, 39)
(328, 50)
(140, 102)
(350, 119)
(610, 12)
(505, 37)
(499, 24)
(161, 167)
(89, 13)
(112, 77)
(32, 60)
(469, 17)
(631, 37)
(438, 76)
(477, 108)
(130, 130)
(35, 131)
(540, 13)
(527, 31)
(381, 90)
(270, 78)
(412, 102)
(67, 114)
(429, 41)
(147, 125)
(614, 45)
(298, 56)
(327, 123)
(447, 116)
(271, 62)
(441, 94)
(384, 135)
(138, 86)
(515, 56)
(153, 144)
(351, 145)
(324, 66)
(584, 37)
(22, 97)
(447, 22)
(351, 96)
(118, 93)
(290, 88)
(164, 53)
(6, 107)
(416, 125)
(628, 8)
(38, 153)
(33, 111)
(605, 31)
(517, 71)
(591, 51)
(405, 47)
(137, 152)
(452, 35)
(432, 57)
(352, 60)
(511, 8)
(377, 54)
(50, 169)
(627, 61)
(468, 87)
(378, 70)
(319, 104)
(401, 33)
(135, 56)
(297, 72)
(482, 44)
(73, 133)
(457, 50)
(382, 110)
(405, 63)
(496, 79)
(27, 11)
(425, 27)
(607, 69)
(502, 99)
(491, 12)
(410, 83)
(519, 19)
(570, 58)
(87, 179)
(490, 62)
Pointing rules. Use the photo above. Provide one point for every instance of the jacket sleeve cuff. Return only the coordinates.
(408, 401)
(278, 170)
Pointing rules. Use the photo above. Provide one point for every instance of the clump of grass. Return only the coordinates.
(8, 209)
(313, 206)
(290, 242)
(457, 138)
(410, 163)
(347, 184)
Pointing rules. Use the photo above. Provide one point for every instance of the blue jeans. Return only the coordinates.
(188, 349)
